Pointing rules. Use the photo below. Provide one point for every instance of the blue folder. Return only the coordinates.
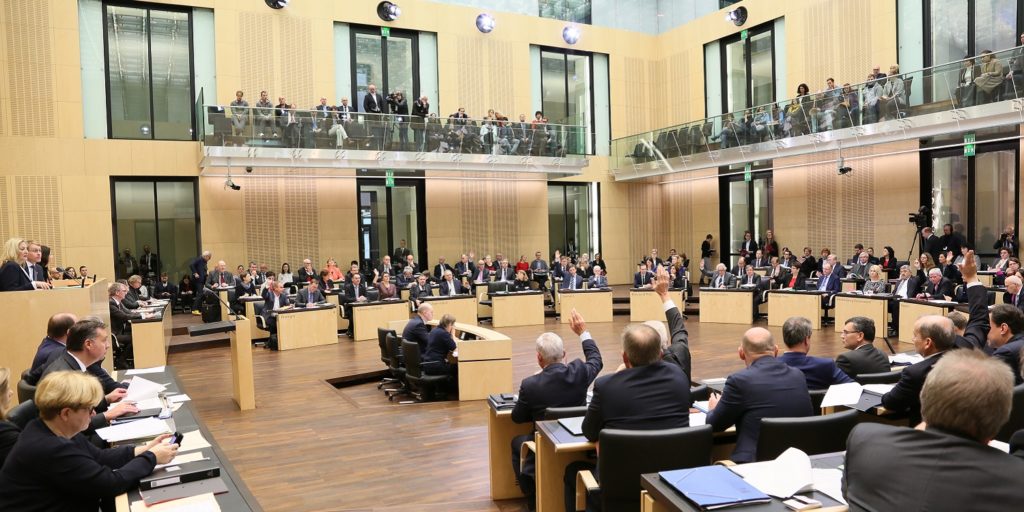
(712, 487)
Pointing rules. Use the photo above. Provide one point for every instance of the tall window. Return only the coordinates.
(567, 84)
(749, 207)
(391, 63)
(575, 11)
(573, 226)
(159, 213)
(149, 72)
(748, 68)
(977, 195)
(389, 215)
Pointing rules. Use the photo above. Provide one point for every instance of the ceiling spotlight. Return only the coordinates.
(485, 23)
(229, 183)
(277, 4)
(737, 16)
(388, 11)
(570, 34)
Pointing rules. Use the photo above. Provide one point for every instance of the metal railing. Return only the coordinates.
(973, 81)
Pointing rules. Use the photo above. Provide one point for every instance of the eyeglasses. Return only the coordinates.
(845, 332)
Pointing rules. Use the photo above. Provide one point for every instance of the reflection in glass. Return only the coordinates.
(575, 11)
(373, 218)
(404, 219)
(569, 219)
(566, 97)
(369, 65)
(739, 213)
(172, 76)
(994, 24)
(128, 72)
(736, 76)
(176, 210)
(949, 191)
(160, 214)
(762, 85)
(995, 193)
(949, 38)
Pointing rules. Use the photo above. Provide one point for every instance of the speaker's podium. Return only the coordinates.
(243, 388)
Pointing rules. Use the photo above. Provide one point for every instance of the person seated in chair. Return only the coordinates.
(355, 291)
(860, 268)
(244, 288)
(599, 279)
(938, 287)
(274, 300)
(165, 290)
(829, 283)
(385, 289)
(644, 277)
(862, 357)
(819, 371)
(450, 286)
(417, 329)
(571, 281)
(420, 289)
(120, 316)
(720, 278)
(521, 282)
(440, 346)
(311, 295)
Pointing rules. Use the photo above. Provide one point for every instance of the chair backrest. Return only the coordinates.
(813, 434)
(554, 413)
(700, 393)
(626, 454)
(817, 396)
(382, 343)
(394, 348)
(26, 391)
(411, 355)
(372, 294)
(1016, 421)
(880, 378)
(23, 413)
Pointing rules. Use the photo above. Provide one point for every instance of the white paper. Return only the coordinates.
(879, 389)
(697, 419)
(201, 503)
(143, 371)
(906, 358)
(141, 389)
(999, 445)
(783, 477)
(830, 482)
(184, 458)
(140, 429)
(701, 405)
(178, 398)
(193, 440)
(842, 394)
(717, 380)
(150, 403)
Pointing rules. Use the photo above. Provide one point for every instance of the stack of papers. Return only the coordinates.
(849, 394)
(193, 440)
(201, 503)
(141, 389)
(143, 371)
(906, 359)
(791, 473)
(141, 429)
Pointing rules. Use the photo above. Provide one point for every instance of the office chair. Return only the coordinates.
(700, 393)
(382, 343)
(396, 365)
(26, 391)
(880, 378)
(813, 435)
(1016, 421)
(23, 413)
(626, 454)
(817, 396)
(423, 385)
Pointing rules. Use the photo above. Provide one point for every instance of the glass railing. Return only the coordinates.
(332, 128)
(970, 82)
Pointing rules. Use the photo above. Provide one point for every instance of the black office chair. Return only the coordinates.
(880, 378)
(23, 413)
(382, 343)
(372, 294)
(626, 454)
(26, 391)
(555, 413)
(396, 365)
(1016, 421)
(812, 435)
(423, 385)
(817, 396)
(700, 393)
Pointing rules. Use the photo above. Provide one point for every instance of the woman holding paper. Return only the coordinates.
(54, 467)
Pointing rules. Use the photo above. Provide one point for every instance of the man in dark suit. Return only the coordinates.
(504, 273)
(644, 278)
(420, 289)
(401, 252)
(748, 246)
(149, 264)
(440, 269)
(947, 465)
(1006, 336)
(35, 271)
(820, 372)
(120, 316)
(857, 336)
(759, 261)
(539, 269)
(354, 291)
(373, 103)
(56, 338)
(649, 394)
(198, 269)
(561, 268)
(220, 277)
(165, 290)
(861, 266)
(386, 267)
(937, 287)
(1008, 240)
(417, 329)
(307, 273)
(464, 267)
(598, 280)
(310, 295)
(719, 278)
(556, 385)
(767, 388)
(571, 281)
(451, 286)
(930, 243)
(675, 345)
(740, 267)
(828, 283)
(1014, 292)
(274, 300)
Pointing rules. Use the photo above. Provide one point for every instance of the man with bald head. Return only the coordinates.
(56, 338)
(1014, 292)
(767, 388)
(933, 336)
(220, 277)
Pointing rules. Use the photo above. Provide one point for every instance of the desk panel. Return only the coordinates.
(645, 304)
(462, 307)
(517, 309)
(369, 317)
(306, 327)
(482, 310)
(594, 306)
(725, 306)
(500, 431)
(556, 449)
(782, 305)
(910, 311)
(876, 309)
(250, 313)
(335, 299)
(150, 339)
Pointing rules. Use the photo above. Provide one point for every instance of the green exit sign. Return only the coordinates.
(746, 173)
(744, 34)
(389, 180)
(385, 31)
(969, 148)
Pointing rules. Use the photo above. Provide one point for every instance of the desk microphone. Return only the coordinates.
(211, 293)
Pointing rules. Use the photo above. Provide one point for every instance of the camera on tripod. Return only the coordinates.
(922, 218)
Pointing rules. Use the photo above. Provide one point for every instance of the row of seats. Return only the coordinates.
(403, 362)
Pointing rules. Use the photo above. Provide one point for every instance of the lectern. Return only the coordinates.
(243, 388)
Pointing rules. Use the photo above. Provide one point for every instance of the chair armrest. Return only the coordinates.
(524, 450)
(585, 485)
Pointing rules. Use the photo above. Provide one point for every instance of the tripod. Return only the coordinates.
(915, 240)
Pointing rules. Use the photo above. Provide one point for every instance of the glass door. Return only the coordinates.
(390, 63)
(389, 216)
(572, 227)
(748, 69)
(749, 208)
(157, 214)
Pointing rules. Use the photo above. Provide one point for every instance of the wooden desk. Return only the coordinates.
(500, 431)
(462, 307)
(306, 327)
(334, 297)
(250, 313)
(987, 277)
(517, 309)
(480, 292)
(150, 339)
(225, 298)
(368, 316)
(485, 360)
(658, 496)
(875, 307)
(556, 449)
(850, 284)
(243, 388)
(645, 304)
(912, 309)
(727, 305)
(783, 304)
(594, 305)
(26, 314)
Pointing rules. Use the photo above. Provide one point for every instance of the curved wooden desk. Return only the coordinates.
(462, 307)
(485, 361)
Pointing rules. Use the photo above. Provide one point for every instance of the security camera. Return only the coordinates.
(248, 169)
(842, 168)
(229, 183)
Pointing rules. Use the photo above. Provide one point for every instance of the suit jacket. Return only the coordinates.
(833, 285)
(447, 290)
(906, 396)
(268, 304)
(372, 107)
(47, 348)
(598, 282)
(540, 265)
(641, 279)
(150, 263)
(481, 275)
(439, 270)
(760, 262)
(1010, 354)
(344, 112)
(48, 472)
(38, 274)
(944, 288)
(570, 282)
(417, 331)
(859, 270)
(161, 290)
(748, 247)
(679, 351)
(305, 297)
(768, 388)
(416, 291)
(13, 278)
(863, 359)
(508, 273)
(651, 397)
(64, 361)
(349, 292)
(912, 287)
(558, 385)
(729, 280)
(9, 433)
(819, 371)
(976, 332)
(932, 245)
(558, 270)
(198, 266)
(463, 268)
(895, 468)
(1008, 298)
(304, 276)
(215, 277)
(439, 344)
(754, 280)
(121, 317)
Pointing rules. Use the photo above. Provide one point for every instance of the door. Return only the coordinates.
(389, 216)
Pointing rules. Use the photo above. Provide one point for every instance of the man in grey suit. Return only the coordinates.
(310, 295)
(858, 336)
(946, 465)
(720, 278)
(220, 276)
(861, 266)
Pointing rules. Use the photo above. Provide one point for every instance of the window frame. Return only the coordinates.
(114, 180)
(383, 87)
(565, 52)
(723, 43)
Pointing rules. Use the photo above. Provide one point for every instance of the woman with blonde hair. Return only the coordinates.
(874, 284)
(54, 467)
(13, 276)
(8, 431)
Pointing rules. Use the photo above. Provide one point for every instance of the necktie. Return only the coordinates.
(31, 273)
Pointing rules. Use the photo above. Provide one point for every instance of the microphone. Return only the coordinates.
(211, 293)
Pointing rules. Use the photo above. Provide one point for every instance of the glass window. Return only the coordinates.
(571, 219)
(762, 82)
(389, 215)
(949, 191)
(369, 66)
(575, 11)
(995, 194)
(995, 23)
(949, 39)
(749, 207)
(747, 70)
(390, 63)
(160, 214)
(567, 97)
(736, 76)
(149, 73)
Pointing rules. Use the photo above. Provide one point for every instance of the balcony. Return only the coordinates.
(271, 138)
(935, 101)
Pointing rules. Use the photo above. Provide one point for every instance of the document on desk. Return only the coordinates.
(193, 440)
(178, 398)
(783, 477)
(143, 371)
(906, 358)
(830, 482)
(141, 429)
(141, 389)
(201, 503)
(842, 394)
(878, 389)
(698, 418)
(183, 458)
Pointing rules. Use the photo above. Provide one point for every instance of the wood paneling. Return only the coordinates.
(30, 68)
(38, 212)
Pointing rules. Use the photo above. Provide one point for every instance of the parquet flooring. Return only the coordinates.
(309, 446)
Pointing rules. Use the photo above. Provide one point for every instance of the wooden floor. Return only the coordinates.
(309, 446)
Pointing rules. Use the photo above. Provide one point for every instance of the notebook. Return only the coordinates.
(573, 425)
(713, 487)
